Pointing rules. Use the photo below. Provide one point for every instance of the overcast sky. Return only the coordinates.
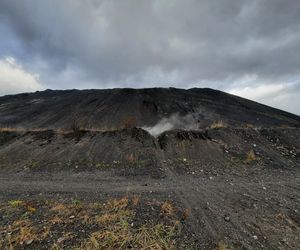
(249, 48)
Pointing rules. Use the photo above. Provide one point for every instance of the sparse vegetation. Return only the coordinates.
(222, 246)
(117, 204)
(285, 126)
(31, 209)
(77, 128)
(185, 214)
(167, 208)
(6, 129)
(130, 158)
(21, 130)
(76, 202)
(31, 165)
(102, 165)
(135, 200)
(15, 203)
(112, 225)
(25, 232)
(121, 236)
(250, 157)
(249, 125)
(128, 122)
(218, 124)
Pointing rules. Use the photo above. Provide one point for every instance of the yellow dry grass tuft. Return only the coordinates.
(21, 130)
(60, 208)
(135, 200)
(112, 225)
(56, 220)
(114, 216)
(24, 233)
(222, 246)
(16, 203)
(250, 157)
(31, 209)
(218, 124)
(249, 125)
(185, 214)
(128, 122)
(130, 158)
(117, 204)
(120, 236)
(167, 208)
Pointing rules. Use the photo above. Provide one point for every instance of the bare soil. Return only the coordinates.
(113, 108)
(78, 170)
(232, 188)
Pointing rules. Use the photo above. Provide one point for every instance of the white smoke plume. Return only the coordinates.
(175, 121)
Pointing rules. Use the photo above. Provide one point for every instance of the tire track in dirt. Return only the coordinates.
(199, 221)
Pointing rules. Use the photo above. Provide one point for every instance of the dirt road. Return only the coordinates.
(247, 213)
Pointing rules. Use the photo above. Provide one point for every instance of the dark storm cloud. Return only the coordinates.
(140, 43)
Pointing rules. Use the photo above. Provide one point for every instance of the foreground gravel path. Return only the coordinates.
(254, 212)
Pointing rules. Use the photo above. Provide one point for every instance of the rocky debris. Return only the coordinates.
(236, 180)
(227, 218)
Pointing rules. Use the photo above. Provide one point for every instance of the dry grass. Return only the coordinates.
(117, 204)
(128, 122)
(250, 157)
(218, 124)
(285, 126)
(135, 200)
(61, 209)
(16, 203)
(8, 129)
(186, 214)
(23, 233)
(21, 130)
(120, 236)
(117, 231)
(222, 246)
(130, 158)
(58, 131)
(109, 217)
(249, 125)
(104, 129)
(64, 131)
(56, 220)
(26, 236)
(111, 225)
(31, 209)
(167, 208)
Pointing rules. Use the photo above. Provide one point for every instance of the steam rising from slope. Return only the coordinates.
(175, 121)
